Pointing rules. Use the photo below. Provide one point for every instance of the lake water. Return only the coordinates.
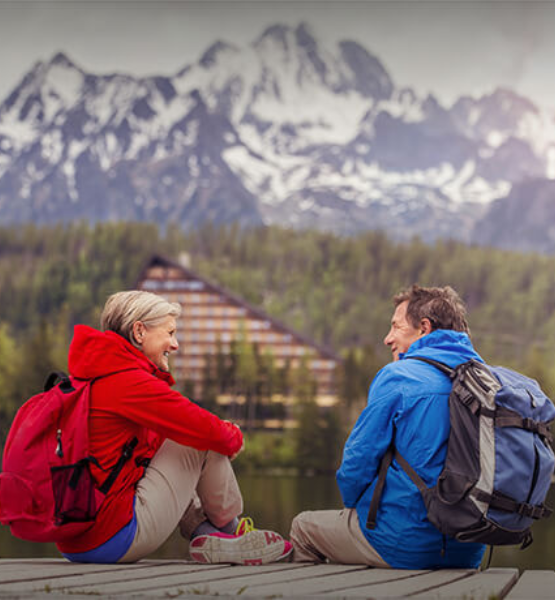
(274, 501)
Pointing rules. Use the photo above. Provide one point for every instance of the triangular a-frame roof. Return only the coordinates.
(160, 261)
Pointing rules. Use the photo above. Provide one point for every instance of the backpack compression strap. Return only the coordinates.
(499, 501)
(505, 417)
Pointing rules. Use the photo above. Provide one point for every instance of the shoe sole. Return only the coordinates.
(254, 548)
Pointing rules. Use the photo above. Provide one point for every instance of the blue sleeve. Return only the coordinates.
(370, 438)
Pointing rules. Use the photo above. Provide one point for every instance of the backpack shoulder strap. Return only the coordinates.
(392, 453)
(377, 495)
(416, 479)
(387, 459)
(435, 363)
(126, 454)
(58, 377)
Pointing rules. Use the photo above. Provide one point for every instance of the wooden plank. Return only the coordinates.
(21, 564)
(480, 586)
(323, 584)
(405, 586)
(196, 580)
(49, 596)
(87, 576)
(534, 585)
(57, 561)
(255, 579)
(29, 572)
(38, 578)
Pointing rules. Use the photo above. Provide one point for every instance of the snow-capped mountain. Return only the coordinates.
(284, 130)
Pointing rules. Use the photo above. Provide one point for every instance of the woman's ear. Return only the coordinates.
(138, 332)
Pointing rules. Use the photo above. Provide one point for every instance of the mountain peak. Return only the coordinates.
(277, 33)
(61, 60)
(209, 58)
(509, 98)
(304, 36)
(369, 75)
(285, 35)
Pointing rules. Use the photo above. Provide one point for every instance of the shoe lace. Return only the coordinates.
(245, 525)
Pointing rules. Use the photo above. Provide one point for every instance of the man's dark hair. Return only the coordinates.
(443, 307)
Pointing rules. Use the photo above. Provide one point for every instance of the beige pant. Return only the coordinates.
(332, 535)
(182, 486)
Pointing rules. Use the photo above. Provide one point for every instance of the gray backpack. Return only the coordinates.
(499, 461)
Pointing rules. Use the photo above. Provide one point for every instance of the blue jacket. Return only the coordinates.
(410, 398)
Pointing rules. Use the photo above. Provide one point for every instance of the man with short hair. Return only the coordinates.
(407, 406)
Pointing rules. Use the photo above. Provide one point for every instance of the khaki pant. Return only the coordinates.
(332, 535)
(182, 486)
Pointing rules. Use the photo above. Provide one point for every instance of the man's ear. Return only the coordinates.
(425, 326)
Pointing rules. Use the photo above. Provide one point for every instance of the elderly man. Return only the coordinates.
(407, 405)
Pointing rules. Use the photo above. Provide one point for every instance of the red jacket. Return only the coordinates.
(133, 398)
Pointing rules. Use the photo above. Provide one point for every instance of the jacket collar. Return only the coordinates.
(94, 353)
(445, 345)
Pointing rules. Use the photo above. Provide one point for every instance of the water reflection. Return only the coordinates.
(273, 502)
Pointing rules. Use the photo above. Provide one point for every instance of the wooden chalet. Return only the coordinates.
(213, 318)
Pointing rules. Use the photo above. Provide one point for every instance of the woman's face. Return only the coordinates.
(157, 341)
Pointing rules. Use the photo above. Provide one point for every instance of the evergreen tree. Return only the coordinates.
(247, 376)
(319, 434)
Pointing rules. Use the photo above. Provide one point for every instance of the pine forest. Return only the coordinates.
(336, 290)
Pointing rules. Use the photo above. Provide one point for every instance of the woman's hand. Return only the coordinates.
(234, 456)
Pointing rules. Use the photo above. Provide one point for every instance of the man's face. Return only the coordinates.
(402, 333)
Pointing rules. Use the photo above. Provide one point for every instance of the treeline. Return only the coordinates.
(335, 290)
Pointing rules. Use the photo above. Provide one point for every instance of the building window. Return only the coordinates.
(152, 284)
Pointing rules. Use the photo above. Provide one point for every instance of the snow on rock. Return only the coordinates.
(287, 129)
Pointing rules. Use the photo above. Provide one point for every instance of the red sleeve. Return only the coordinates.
(144, 399)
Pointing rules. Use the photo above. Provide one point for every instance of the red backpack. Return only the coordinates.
(47, 493)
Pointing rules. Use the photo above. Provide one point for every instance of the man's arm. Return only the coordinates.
(370, 438)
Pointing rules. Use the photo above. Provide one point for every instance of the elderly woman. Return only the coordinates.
(180, 472)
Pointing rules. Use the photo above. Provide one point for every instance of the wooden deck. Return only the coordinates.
(54, 578)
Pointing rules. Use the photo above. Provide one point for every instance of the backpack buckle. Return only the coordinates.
(530, 511)
(529, 425)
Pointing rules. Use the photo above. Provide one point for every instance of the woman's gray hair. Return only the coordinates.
(124, 309)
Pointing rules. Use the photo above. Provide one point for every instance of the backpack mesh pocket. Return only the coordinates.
(74, 493)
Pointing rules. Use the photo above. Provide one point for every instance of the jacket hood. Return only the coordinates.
(445, 345)
(94, 353)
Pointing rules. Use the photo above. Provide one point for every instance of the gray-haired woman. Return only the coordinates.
(180, 474)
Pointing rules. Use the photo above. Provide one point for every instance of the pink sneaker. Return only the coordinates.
(249, 546)
(288, 548)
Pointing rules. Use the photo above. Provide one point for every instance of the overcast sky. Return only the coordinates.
(444, 47)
